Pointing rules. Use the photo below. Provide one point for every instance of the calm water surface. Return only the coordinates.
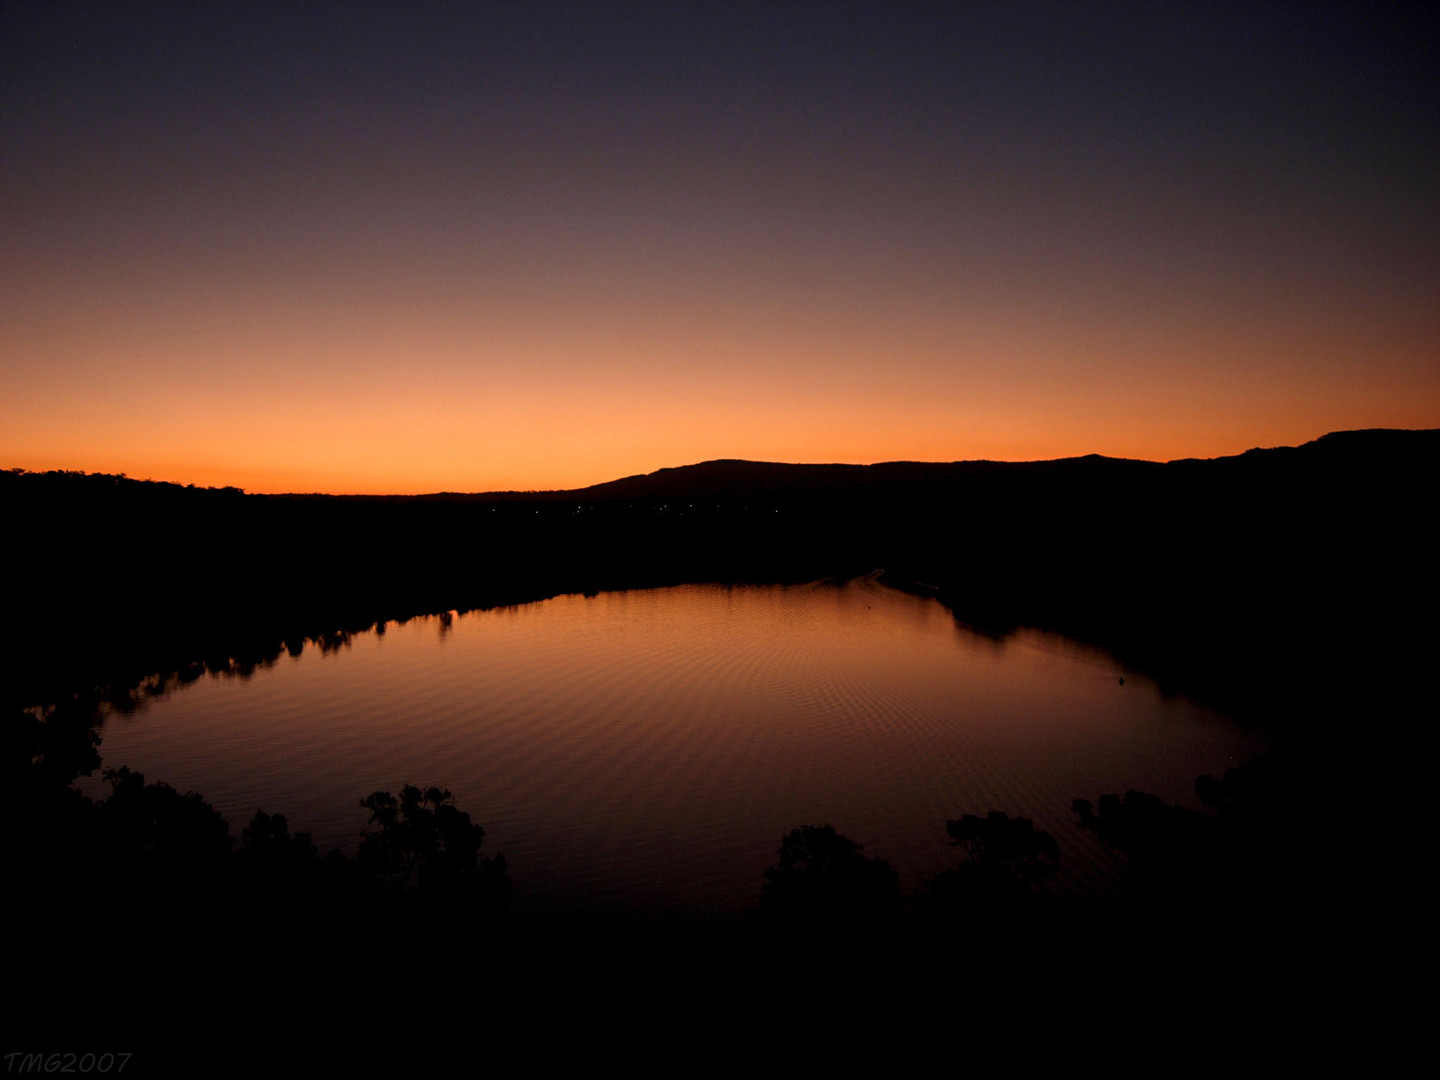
(651, 747)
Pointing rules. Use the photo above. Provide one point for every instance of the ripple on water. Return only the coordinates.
(653, 746)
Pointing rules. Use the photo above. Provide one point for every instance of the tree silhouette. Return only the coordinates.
(999, 845)
(994, 913)
(155, 827)
(426, 842)
(829, 906)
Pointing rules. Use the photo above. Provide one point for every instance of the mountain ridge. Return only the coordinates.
(670, 481)
(773, 477)
(754, 476)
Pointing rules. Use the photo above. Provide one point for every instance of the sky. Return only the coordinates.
(415, 247)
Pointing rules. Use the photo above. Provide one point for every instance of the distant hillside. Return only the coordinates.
(731, 480)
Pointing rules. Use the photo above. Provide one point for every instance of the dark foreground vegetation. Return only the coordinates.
(1295, 587)
(139, 924)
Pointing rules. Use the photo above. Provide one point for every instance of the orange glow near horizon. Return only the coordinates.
(249, 387)
(535, 252)
(395, 404)
(371, 452)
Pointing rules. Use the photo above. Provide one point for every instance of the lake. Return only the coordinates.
(650, 748)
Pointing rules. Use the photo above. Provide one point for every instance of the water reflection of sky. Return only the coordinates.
(655, 745)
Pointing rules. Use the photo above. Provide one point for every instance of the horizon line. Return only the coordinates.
(699, 464)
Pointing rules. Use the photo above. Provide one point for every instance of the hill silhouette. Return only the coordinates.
(733, 479)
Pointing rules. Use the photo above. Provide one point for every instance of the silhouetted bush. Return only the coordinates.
(829, 912)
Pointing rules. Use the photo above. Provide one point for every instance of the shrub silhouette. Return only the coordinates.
(828, 908)
(426, 851)
(995, 912)
(1000, 845)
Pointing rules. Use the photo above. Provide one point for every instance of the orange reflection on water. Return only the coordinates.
(653, 746)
